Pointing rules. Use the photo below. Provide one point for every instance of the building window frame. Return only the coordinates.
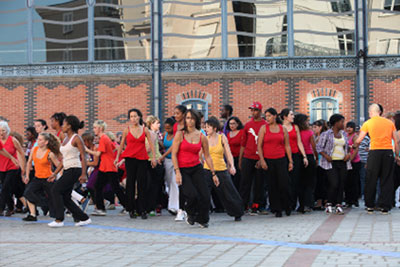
(194, 101)
(68, 17)
(324, 100)
(392, 6)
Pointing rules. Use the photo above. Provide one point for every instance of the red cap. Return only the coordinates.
(256, 105)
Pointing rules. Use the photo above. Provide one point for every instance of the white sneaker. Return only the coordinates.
(180, 216)
(329, 209)
(97, 212)
(82, 223)
(55, 224)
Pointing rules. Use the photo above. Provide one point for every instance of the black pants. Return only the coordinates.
(136, 172)
(307, 183)
(227, 193)
(196, 193)
(336, 179)
(352, 185)
(33, 192)
(294, 179)
(249, 175)
(396, 180)
(155, 186)
(321, 190)
(61, 194)
(237, 177)
(278, 178)
(380, 164)
(7, 180)
(103, 178)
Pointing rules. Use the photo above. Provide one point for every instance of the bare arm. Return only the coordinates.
(208, 159)
(54, 159)
(314, 147)
(228, 155)
(21, 155)
(78, 142)
(260, 142)
(287, 148)
(301, 146)
(175, 148)
(28, 164)
(151, 144)
(5, 153)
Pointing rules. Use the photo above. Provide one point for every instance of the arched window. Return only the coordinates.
(197, 104)
(323, 108)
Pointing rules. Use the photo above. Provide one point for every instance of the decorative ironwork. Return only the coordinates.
(247, 65)
(199, 66)
(383, 63)
(67, 69)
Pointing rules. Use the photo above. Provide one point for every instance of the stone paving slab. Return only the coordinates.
(358, 239)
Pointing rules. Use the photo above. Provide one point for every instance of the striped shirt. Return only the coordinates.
(364, 148)
(326, 144)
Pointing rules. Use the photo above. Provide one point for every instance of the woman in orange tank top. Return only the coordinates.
(46, 153)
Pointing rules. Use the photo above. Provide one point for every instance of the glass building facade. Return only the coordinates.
(56, 31)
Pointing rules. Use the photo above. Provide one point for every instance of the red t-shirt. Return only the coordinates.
(274, 144)
(5, 163)
(1, 145)
(107, 157)
(305, 139)
(235, 143)
(251, 130)
(293, 140)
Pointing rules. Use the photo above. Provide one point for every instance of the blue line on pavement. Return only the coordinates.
(238, 240)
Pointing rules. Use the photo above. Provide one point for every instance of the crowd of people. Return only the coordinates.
(275, 163)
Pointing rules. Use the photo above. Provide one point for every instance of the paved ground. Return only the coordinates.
(316, 239)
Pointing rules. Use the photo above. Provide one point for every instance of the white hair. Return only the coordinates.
(4, 125)
(100, 123)
(374, 108)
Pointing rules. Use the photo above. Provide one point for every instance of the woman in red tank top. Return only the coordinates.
(234, 135)
(298, 153)
(189, 172)
(136, 162)
(9, 171)
(273, 145)
(56, 121)
(179, 113)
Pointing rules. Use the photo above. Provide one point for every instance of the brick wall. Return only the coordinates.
(385, 90)
(109, 98)
(89, 99)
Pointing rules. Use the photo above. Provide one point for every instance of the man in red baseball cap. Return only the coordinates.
(248, 159)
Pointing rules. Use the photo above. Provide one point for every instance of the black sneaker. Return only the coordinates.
(278, 214)
(30, 218)
(144, 216)
(238, 218)
(370, 210)
(132, 214)
(189, 220)
(203, 225)
(384, 211)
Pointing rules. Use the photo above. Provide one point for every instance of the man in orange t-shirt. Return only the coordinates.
(380, 163)
(108, 172)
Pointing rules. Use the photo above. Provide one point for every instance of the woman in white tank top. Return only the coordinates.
(74, 169)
